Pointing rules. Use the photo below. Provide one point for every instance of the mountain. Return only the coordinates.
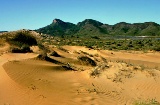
(58, 27)
(147, 28)
(90, 27)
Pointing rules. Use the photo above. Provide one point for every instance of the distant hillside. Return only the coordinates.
(2, 31)
(92, 27)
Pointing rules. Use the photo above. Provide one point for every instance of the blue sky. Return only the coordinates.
(34, 14)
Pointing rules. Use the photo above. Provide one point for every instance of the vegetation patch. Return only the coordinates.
(87, 61)
(23, 49)
(98, 69)
(61, 48)
(68, 67)
(22, 38)
(148, 102)
(95, 72)
(110, 43)
(20, 41)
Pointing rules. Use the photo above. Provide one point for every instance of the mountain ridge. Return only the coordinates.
(91, 27)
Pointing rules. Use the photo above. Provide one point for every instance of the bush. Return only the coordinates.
(22, 38)
(95, 37)
(156, 48)
(26, 48)
(23, 49)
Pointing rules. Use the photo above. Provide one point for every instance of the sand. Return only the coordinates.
(125, 77)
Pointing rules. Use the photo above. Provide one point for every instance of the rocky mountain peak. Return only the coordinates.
(57, 21)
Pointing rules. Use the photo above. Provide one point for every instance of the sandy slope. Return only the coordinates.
(25, 81)
(10, 91)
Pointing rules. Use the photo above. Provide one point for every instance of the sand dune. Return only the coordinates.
(122, 78)
(11, 92)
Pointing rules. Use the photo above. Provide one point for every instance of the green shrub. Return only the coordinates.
(23, 49)
(156, 48)
(22, 38)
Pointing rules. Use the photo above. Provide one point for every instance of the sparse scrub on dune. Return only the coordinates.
(104, 59)
(61, 48)
(98, 69)
(43, 47)
(68, 66)
(85, 53)
(156, 67)
(95, 72)
(148, 102)
(136, 68)
(42, 56)
(87, 61)
(54, 53)
(142, 67)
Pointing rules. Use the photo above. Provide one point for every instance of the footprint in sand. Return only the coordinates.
(32, 87)
(42, 96)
